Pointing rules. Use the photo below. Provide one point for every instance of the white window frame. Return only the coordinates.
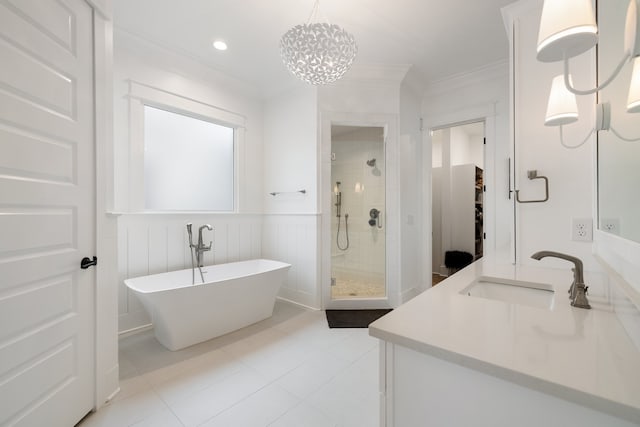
(141, 95)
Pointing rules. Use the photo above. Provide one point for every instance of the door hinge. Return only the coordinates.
(484, 188)
(484, 236)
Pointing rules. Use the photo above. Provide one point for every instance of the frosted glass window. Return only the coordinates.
(188, 163)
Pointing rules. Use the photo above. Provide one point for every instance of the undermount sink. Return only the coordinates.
(539, 295)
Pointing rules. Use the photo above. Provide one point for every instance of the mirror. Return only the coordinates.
(618, 160)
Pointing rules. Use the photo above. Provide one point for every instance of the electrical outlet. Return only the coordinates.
(610, 225)
(582, 229)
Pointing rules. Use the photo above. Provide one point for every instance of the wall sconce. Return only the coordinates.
(568, 28)
(562, 109)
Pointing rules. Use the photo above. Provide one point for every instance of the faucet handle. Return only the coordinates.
(580, 299)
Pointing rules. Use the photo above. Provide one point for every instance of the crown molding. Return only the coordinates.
(476, 76)
(376, 73)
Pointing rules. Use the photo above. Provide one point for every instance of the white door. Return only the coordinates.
(47, 212)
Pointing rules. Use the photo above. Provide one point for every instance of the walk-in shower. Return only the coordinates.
(358, 222)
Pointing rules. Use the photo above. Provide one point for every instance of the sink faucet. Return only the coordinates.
(578, 290)
(201, 248)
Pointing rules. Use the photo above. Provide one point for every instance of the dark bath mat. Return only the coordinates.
(354, 318)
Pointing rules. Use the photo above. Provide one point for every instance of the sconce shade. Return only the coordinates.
(633, 101)
(567, 27)
(632, 29)
(562, 108)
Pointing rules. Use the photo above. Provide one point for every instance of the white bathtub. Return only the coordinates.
(233, 296)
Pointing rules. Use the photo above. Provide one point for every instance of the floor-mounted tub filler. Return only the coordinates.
(233, 296)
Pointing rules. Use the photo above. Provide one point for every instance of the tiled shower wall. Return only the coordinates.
(363, 188)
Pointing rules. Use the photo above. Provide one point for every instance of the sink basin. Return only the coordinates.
(539, 295)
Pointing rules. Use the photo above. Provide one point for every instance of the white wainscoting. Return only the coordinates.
(294, 238)
(155, 243)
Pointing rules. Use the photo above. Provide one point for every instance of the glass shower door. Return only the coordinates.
(358, 237)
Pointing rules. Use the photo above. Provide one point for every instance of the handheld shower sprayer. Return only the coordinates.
(191, 247)
(338, 203)
(189, 225)
(338, 206)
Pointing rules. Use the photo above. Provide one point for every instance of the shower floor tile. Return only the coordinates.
(353, 288)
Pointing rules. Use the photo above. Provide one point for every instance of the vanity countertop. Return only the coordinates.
(584, 356)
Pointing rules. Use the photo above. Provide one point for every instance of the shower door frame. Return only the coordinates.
(391, 214)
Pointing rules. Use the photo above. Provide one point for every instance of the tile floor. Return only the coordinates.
(289, 370)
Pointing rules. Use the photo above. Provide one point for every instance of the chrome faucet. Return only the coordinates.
(198, 249)
(201, 248)
(578, 290)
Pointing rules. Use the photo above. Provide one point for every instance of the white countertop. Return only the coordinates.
(583, 356)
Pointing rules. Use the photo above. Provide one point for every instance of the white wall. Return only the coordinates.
(547, 226)
(414, 260)
(466, 148)
(291, 226)
(436, 150)
(459, 145)
(290, 151)
(153, 243)
(476, 151)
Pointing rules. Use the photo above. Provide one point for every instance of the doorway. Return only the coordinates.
(358, 232)
(373, 253)
(458, 197)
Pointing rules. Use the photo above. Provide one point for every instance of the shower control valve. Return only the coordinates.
(374, 220)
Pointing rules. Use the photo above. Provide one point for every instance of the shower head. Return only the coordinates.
(371, 162)
(189, 225)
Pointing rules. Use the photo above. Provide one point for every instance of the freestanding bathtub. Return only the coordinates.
(233, 296)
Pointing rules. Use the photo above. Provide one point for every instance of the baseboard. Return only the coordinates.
(136, 330)
(297, 303)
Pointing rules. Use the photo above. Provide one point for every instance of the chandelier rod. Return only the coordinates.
(314, 13)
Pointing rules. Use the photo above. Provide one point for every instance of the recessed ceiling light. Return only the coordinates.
(220, 45)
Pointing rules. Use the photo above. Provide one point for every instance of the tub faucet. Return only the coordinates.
(200, 248)
(578, 290)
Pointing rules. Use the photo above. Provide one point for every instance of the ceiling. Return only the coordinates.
(438, 38)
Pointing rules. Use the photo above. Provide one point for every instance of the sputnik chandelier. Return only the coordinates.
(318, 52)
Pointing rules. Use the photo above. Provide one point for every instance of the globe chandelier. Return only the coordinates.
(318, 52)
